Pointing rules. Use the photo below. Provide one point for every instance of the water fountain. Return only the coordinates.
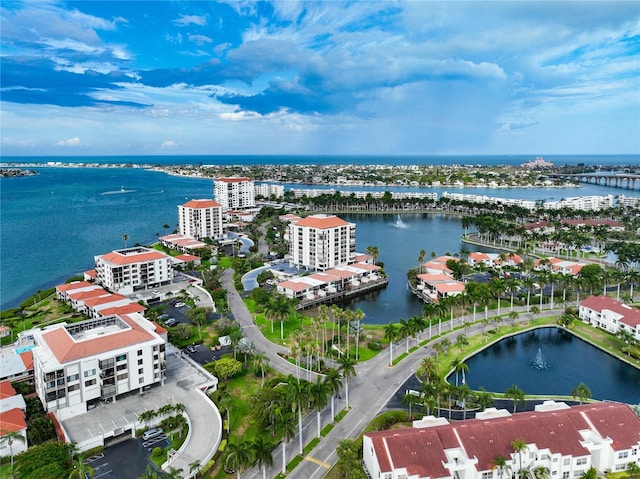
(399, 224)
(539, 362)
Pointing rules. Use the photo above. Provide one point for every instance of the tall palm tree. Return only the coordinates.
(405, 331)
(238, 457)
(81, 470)
(541, 472)
(9, 438)
(516, 394)
(519, 446)
(297, 394)
(391, 333)
(260, 360)
(261, 452)
(318, 393)
(348, 370)
(284, 424)
(334, 383)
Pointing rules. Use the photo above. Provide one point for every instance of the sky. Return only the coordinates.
(327, 78)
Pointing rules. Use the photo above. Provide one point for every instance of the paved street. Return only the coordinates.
(369, 392)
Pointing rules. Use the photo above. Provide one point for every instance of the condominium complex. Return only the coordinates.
(610, 315)
(200, 219)
(321, 242)
(234, 193)
(127, 270)
(584, 203)
(565, 440)
(99, 359)
(267, 191)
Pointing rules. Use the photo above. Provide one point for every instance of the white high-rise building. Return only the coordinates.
(127, 270)
(200, 219)
(235, 193)
(267, 191)
(95, 360)
(321, 242)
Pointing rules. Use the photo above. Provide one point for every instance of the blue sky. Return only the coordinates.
(285, 77)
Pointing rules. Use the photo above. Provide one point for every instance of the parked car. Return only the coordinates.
(180, 305)
(191, 348)
(156, 431)
(171, 322)
(164, 316)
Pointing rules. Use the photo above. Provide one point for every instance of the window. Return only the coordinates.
(122, 357)
(565, 475)
(566, 461)
(141, 371)
(140, 381)
(73, 377)
(90, 382)
(89, 372)
(623, 454)
(487, 475)
(581, 461)
(123, 376)
(51, 384)
(121, 367)
(139, 362)
(73, 387)
(139, 352)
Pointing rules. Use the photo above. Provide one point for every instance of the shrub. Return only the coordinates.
(375, 346)
(157, 452)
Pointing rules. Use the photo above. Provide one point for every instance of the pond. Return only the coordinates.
(553, 361)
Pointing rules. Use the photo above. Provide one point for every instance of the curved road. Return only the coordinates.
(373, 386)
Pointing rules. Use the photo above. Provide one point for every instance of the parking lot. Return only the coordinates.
(124, 460)
(203, 355)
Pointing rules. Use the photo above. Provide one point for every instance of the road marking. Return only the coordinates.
(319, 462)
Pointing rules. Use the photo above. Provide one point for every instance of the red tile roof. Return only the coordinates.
(121, 259)
(27, 360)
(84, 295)
(66, 349)
(322, 222)
(120, 310)
(187, 257)
(421, 450)
(6, 390)
(73, 285)
(201, 204)
(104, 299)
(296, 286)
(12, 421)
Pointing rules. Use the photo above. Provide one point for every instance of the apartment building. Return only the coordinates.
(610, 315)
(128, 270)
(566, 440)
(321, 242)
(267, 191)
(78, 364)
(235, 193)
(200, 219)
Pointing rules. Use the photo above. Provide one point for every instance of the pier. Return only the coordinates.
(347, 293)
(622, 180)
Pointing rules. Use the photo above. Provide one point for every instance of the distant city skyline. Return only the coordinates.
(320, 78)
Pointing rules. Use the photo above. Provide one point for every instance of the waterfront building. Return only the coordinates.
(539, 162)
(395, 195)
(235, 193)
(434, 287)
(132, 269)
(584, 203)
(566, 440)
(630, 201)
(438, 265)
(182, 243)
(200, 219)
(494, 259)
(611, 315)
(558, 265)
(321, 242)
(269, 191)
(76, 365)
(12, 420)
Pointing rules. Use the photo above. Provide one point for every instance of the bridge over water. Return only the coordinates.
(619, 180)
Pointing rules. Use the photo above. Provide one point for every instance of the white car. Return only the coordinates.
(180, 305)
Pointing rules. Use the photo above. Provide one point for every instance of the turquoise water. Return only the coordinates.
(54, 223)
(23, 349)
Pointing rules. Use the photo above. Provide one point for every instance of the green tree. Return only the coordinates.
(499, 463)
(582, 392)
(261, 453)
(516, 394)
(238, 457)
(391, 333)
(260, 360)
(349, 460)
(225, 368)
(318, 396)
(348, 370)
(333, 378)
(283, 424)
(10, 438)
(198, 317)
(519, 446)
(590, 473)
(81, 470)
(634, 470)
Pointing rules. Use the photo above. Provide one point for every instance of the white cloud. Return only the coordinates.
(170, 144)
(71, 142)
(200, 39)
(185, 20)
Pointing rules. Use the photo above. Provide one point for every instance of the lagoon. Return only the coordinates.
(570, 361)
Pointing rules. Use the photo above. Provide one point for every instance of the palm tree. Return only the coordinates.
(238, 457)
(405, 331)
(81, 470)
(634, 470)
(318, 393)
(284, 424)
(391, 333)
(348, 370)
(516, 394)
(541, 472)
(261, 360)
(499, 463)
(9, 438)
(590, 473)
(193, 468)
(334, 383)
(261, 453)
(519, 446)
(582, 392)
(297, 394)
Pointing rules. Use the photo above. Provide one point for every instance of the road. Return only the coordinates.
(373, 386)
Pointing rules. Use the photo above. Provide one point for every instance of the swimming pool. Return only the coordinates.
(24, 349)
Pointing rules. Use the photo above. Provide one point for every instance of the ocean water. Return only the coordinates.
(53, 224)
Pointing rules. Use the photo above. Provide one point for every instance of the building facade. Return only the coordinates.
(565, 440)
(235, 193)
(200, 219)
(611, 315)
(128, 270)
(78, 364)
(322, 242)
(268, 191)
